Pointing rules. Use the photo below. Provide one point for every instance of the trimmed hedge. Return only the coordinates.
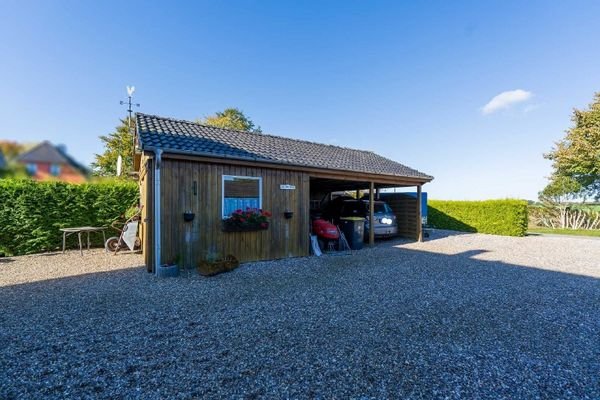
(497, 217)
(31, 213)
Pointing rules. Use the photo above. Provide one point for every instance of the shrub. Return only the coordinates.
(564, 216)
(31, 213)
(497, 217)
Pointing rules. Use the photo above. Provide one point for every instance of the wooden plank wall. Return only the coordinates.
(192, 241)
(405, 208)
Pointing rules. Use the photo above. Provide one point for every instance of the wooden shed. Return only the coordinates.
(193, 176)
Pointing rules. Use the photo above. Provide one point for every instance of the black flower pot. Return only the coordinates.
(188, 216)
(288, 214)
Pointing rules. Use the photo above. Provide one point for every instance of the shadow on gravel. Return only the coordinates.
(384, 323)
(434, 234)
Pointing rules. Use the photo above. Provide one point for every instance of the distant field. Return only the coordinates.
(577, 232)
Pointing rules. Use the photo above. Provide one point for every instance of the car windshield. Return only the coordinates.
(361, 209)
(382, 208)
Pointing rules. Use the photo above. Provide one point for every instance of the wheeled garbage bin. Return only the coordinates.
(354, 230)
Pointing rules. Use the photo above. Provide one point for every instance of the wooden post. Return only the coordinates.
(357, 194)
(372, 214)
(419, 213)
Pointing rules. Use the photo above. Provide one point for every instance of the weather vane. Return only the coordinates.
(130, 104)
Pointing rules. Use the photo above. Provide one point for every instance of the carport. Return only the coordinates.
(407, 210)
(194, 177)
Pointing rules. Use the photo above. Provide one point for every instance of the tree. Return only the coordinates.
(561, 189)
(119, 142)
(231, 118)
(577, 156)
(11, 149)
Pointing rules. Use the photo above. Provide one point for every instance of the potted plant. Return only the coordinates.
(252, 219)
(213, 264)
(170, 269)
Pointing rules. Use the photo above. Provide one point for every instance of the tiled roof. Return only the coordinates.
(43, 152)
(194, 138)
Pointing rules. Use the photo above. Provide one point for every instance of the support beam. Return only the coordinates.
(357, 194)
(372, 214)
(419, 214)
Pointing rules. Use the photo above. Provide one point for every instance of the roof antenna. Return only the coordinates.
(130, 90)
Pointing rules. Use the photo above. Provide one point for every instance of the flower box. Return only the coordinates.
(233, 227)
(210, 268)
(246, 221)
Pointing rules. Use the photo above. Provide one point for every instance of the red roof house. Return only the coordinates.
(48, 162)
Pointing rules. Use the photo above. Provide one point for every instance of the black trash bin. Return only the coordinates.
(354, 230)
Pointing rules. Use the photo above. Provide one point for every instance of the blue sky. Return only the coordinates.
(408, 80)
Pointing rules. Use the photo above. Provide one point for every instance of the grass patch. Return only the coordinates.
(576, 232)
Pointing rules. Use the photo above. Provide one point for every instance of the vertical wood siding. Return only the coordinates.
(192, 241)
(405, 209)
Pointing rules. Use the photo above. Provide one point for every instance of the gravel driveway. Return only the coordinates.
(459, 316)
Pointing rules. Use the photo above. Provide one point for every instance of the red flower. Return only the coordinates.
(266, 213)
(263, 225)
(242, 220)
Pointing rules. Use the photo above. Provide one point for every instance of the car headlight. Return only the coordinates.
(387, 221)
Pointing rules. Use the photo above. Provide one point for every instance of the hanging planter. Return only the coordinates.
(188, 216)
(247, 221)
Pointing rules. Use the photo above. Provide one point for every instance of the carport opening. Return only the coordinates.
(324, 191)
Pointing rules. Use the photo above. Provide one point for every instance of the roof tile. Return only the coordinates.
(194, 138)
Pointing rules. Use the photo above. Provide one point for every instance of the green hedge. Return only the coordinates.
(497, 217)
(31, 213)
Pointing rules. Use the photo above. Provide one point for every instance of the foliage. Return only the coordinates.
(11, 149)
(119, 142)
(564, 216)
(499, 217)
(577, 155)
(14, 170)
(9, 152)
(33, 212)
(251, 218)
(232, 118)
(561, 189)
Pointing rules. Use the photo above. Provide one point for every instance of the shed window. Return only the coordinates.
(240, 193)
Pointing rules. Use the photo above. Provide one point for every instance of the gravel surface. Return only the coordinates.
(459, 316)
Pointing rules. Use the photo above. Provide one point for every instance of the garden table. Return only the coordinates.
(80, 230)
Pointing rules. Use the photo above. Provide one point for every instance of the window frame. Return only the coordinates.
(31, 169)
(224, 178)
(55, 168)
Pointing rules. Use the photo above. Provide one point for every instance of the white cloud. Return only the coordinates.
(505, 100)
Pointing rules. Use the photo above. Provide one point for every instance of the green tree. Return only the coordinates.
(577, 155)
(11, 149)
(561, 189)
(231, 118)
(119, 142)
